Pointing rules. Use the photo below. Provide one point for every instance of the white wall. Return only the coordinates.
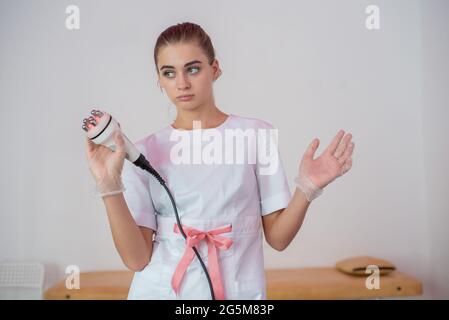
(308, 67)
(435, 117)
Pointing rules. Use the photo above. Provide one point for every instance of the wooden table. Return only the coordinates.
(282, 284)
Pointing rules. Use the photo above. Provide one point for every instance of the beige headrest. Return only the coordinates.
(358, 265)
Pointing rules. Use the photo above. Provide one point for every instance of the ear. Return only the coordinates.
(216, 69)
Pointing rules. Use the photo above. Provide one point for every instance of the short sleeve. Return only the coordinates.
(137, 194)
(274, 190)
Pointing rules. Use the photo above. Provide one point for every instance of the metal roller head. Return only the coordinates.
(92, 121)
(96, 113)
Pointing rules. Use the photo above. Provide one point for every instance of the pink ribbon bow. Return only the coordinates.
(194, 237)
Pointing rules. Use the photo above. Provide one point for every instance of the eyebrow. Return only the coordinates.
(186, 65)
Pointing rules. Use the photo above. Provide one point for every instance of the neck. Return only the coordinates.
(209, 115)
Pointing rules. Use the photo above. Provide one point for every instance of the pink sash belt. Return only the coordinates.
(214, 241)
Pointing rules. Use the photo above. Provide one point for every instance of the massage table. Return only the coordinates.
(282, 284)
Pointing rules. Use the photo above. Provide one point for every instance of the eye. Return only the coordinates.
(194, 68)
(167, 74)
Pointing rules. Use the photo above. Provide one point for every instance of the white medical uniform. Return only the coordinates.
(207, 196)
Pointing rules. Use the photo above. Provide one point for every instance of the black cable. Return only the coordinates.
(143, 163)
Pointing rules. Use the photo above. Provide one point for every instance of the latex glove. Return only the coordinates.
(335, 161)
(106, 165)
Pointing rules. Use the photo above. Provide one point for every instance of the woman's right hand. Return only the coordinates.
(106, 165)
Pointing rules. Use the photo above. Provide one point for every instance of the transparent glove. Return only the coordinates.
(106, 166)
(109, 186)
(335, 161)
(310, 190)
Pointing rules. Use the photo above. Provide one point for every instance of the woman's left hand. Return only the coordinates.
(332, 163)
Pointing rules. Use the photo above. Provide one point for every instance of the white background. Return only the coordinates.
(308, 67)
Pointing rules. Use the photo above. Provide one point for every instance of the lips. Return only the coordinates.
(185, 97)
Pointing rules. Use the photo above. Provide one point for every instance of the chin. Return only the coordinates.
(190, 105)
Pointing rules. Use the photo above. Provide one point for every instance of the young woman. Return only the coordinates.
(223, 207)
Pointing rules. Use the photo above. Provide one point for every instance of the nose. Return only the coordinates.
(182, 82)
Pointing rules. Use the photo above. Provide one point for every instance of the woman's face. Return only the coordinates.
(184, 70)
